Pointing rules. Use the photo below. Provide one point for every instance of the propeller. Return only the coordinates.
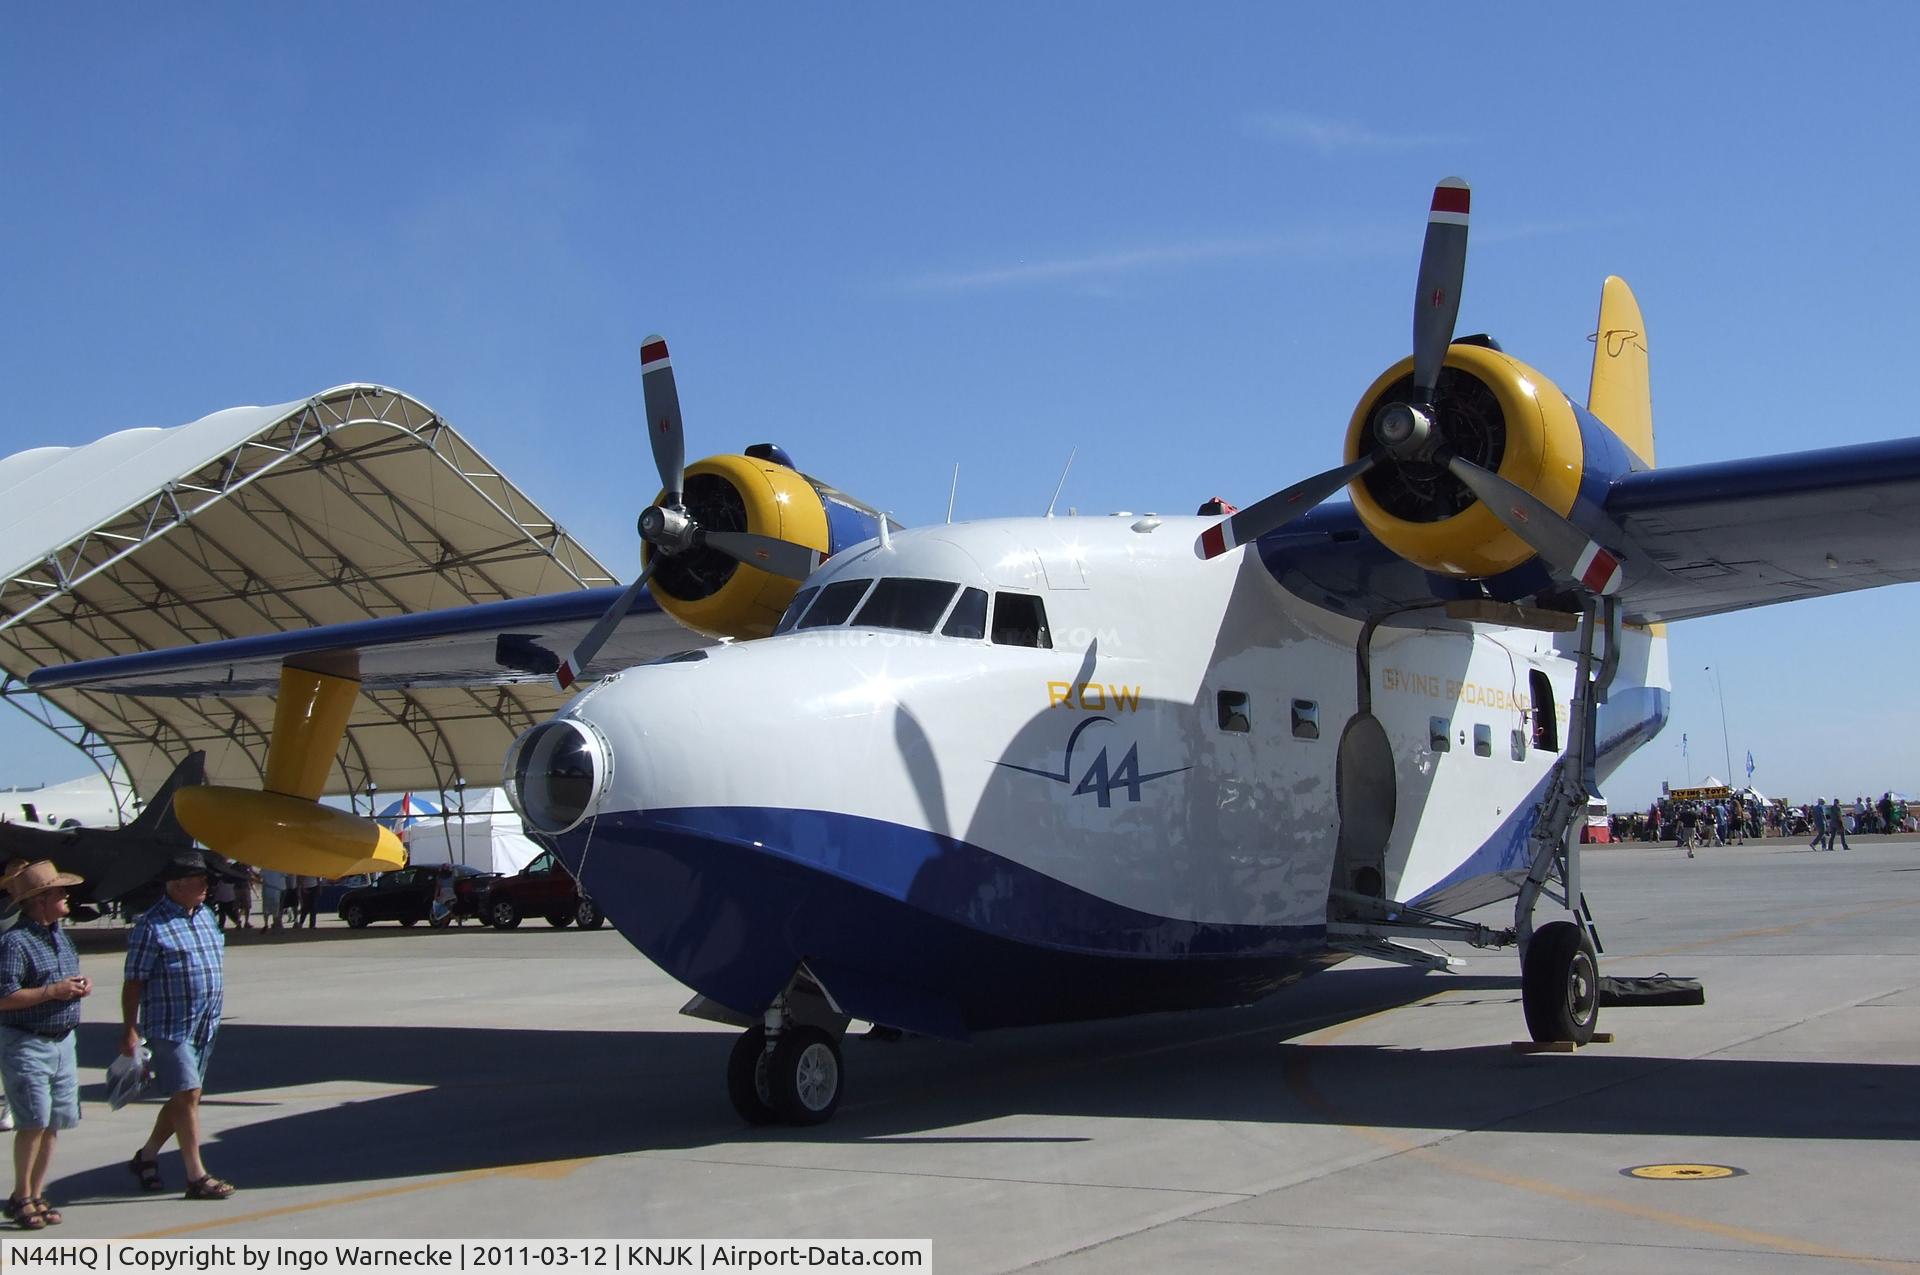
(1407, 431)
(668, 527)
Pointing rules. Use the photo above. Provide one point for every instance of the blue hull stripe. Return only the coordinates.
(924, 931)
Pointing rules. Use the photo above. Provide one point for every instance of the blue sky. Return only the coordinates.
(896, 238)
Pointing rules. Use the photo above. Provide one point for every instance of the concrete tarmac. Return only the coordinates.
(540, 1083)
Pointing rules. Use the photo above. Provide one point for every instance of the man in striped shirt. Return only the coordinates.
(174, 988)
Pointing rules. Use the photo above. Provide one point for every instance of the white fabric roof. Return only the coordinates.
(357, 503)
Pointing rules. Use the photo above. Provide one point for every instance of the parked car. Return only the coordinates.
(406, 895)
(542, 888)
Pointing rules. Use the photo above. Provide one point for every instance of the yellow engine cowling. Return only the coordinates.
(711, 593)
(1495, 411)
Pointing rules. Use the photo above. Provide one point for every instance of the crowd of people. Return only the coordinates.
(1741, 816)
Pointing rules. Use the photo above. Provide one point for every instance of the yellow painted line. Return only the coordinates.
(541, 1169)
(1299, 1080)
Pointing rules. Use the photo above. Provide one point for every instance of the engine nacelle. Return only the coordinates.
(713, 594)
(1492, 410)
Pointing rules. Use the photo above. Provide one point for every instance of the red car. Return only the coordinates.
(542, 888)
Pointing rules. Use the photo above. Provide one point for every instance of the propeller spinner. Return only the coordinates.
(1407, 431)
(669, 528)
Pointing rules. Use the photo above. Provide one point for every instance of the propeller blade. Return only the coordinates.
(1561, 545)
(1443, 267)
(663, 417)
(570, 668)
(778, 557)
(1277, 510)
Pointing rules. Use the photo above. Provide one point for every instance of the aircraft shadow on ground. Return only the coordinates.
(492, 1098)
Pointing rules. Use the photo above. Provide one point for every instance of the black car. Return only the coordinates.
(405, 895)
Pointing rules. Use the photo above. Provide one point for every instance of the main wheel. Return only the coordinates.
(503, 914)
(804, 1075)
(588, 915)
(747, 1085)
(357, 916)
(1560, 984)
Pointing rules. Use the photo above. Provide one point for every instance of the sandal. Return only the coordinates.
(208, 1187)
(48, 1214)
(148, 1171)
(24, 1213)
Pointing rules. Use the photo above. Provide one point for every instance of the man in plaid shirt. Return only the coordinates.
(174, 988)
(40, 991)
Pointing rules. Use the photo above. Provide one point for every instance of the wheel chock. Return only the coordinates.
(1558, 1046)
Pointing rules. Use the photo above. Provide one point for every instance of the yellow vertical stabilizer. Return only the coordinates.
(1620, 395)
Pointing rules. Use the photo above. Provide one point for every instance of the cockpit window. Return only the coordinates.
(795, 609)
(1020, 619)
(969, 618)
(903, 603)
(835, 603)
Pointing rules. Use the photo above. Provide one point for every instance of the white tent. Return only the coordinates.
(488, 837)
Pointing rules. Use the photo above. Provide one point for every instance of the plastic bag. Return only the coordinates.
(129, 1076)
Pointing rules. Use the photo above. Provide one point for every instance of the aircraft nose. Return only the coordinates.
(556, 773)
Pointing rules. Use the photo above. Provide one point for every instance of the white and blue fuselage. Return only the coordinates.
(1031, 770)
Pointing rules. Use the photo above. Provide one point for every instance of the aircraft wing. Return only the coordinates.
(495, 644)
(1707, 539)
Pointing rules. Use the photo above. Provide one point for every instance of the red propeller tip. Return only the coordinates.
(654, 351)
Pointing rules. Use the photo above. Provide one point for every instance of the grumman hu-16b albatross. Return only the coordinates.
(1031, 770)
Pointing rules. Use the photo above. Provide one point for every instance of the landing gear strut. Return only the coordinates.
(1559, 964)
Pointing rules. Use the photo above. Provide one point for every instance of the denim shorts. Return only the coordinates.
(42, 1079)
(179, 1065)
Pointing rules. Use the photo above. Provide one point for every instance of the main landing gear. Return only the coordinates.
(788, 1069)
(1559, 962)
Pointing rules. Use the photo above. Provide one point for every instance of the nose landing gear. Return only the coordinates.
(788, 1070)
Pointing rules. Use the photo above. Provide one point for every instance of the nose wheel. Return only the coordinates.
(795, 1078)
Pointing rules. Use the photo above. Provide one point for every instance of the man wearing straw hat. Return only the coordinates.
(40, 991)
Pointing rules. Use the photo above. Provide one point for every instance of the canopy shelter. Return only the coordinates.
(357, 503)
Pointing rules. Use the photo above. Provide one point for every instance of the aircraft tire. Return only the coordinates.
(805, 1075)
(747, 1084)
(588, 915)
(1560, 984)
(356, 916)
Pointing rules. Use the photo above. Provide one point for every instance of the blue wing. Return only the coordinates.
(498, 643)
(1707, 539)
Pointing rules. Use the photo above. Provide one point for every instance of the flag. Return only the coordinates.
(1683, 743)
(1749, 763)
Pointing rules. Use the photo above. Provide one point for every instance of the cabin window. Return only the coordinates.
(835, 603)
(1439, 735)
(1236, 711)
(902, 603)
(1306, 719)
(1020, 619)
(1546, 722)
(1482, 740)
(1519, 744)
(795, 609)
(969, 618)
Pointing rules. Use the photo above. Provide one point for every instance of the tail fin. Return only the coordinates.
(157, 820)
(1620, 395)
